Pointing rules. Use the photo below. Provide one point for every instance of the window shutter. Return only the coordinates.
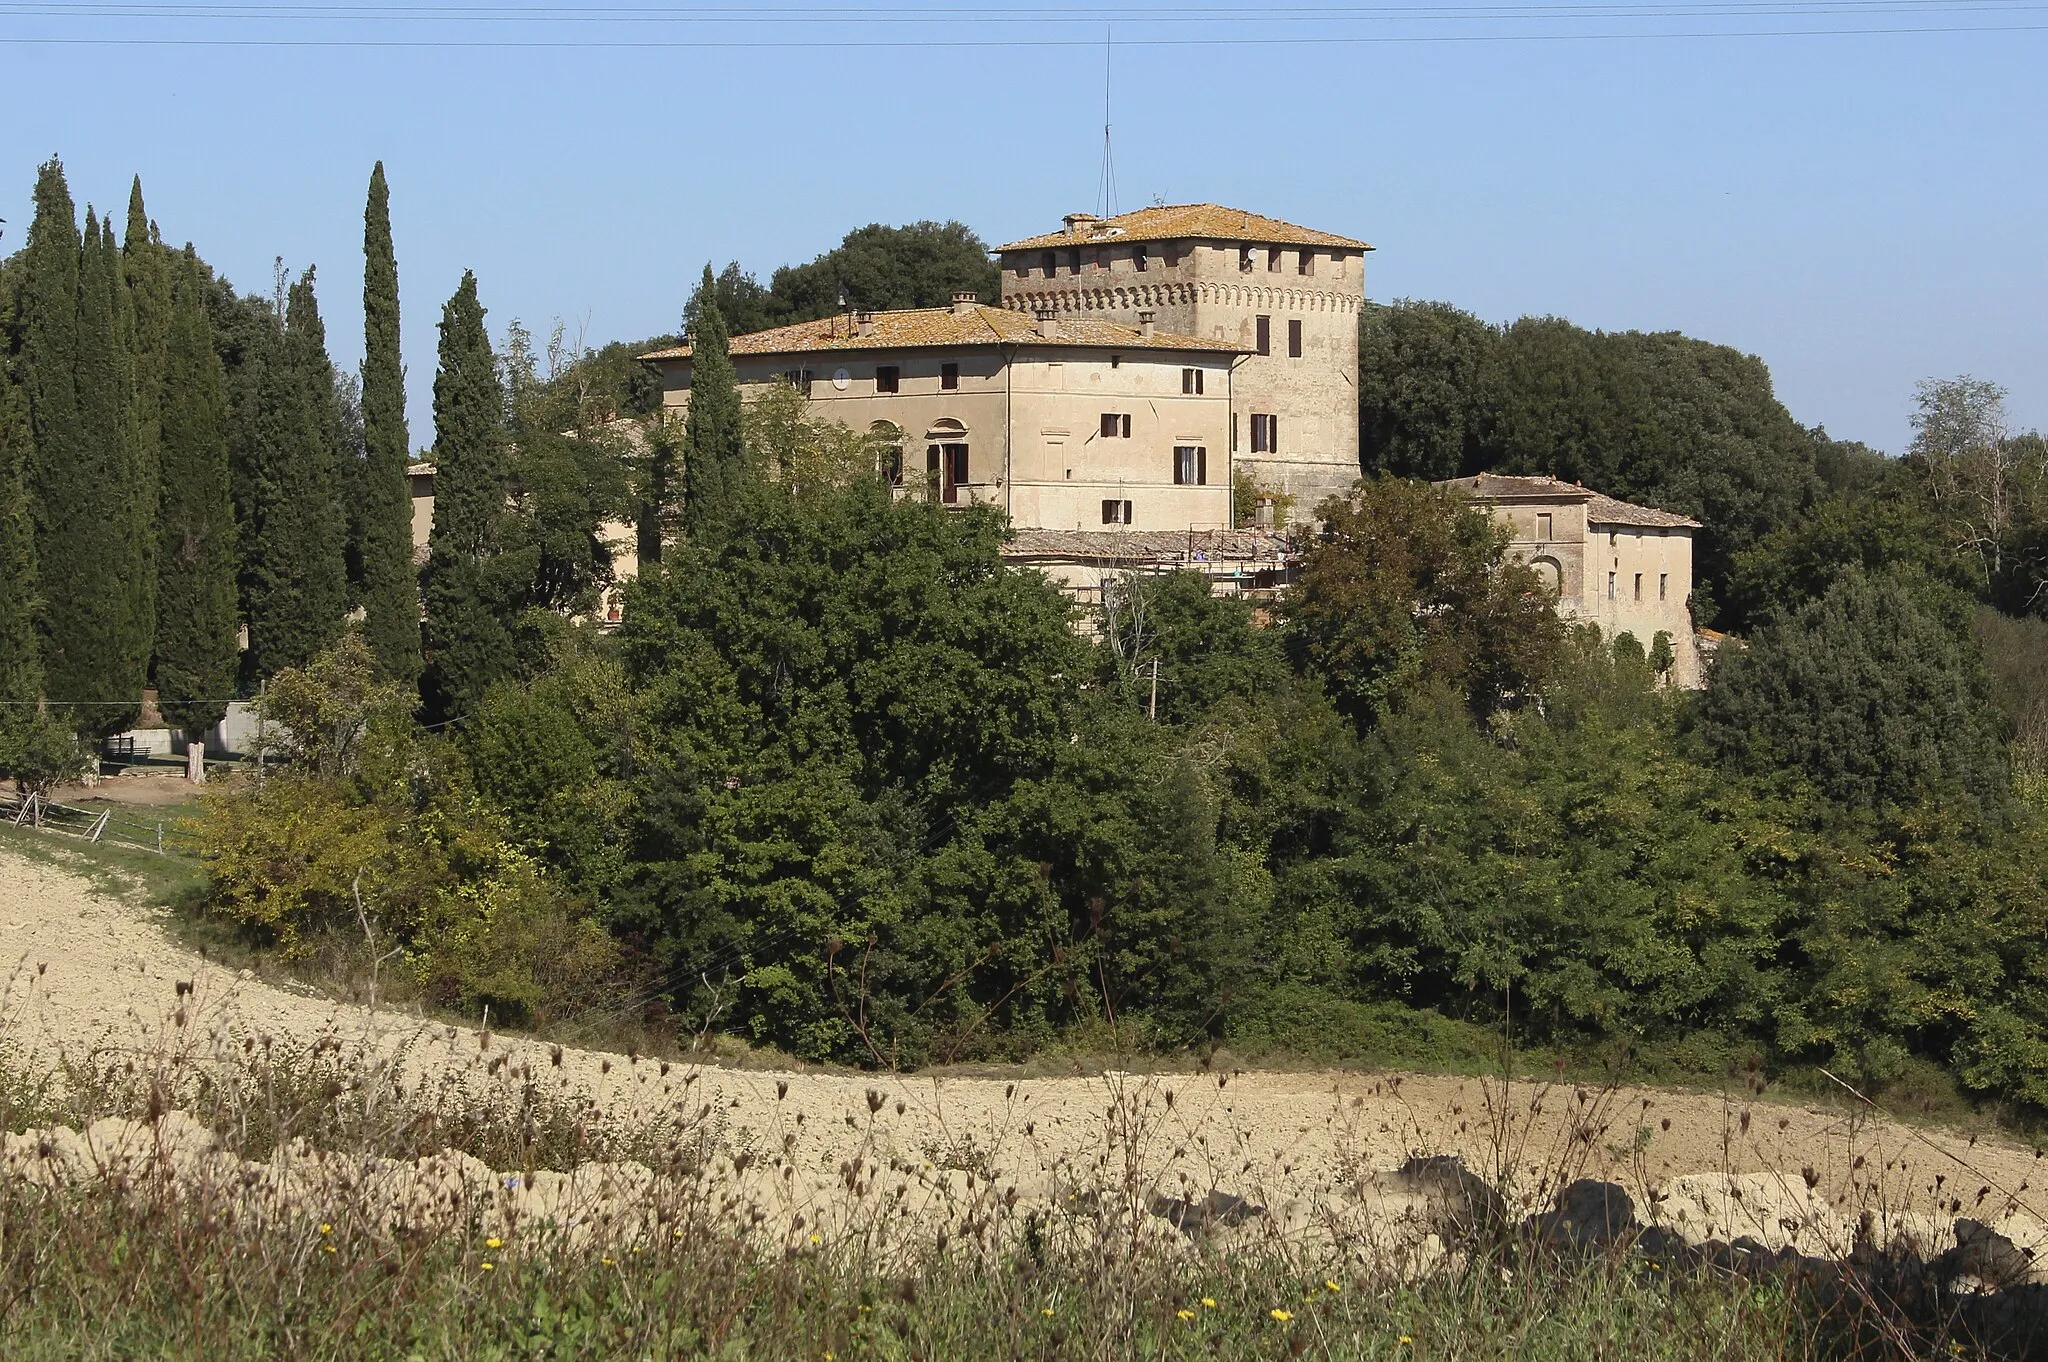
(1201, 465)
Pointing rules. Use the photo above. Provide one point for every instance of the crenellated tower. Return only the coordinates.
(1288, 294)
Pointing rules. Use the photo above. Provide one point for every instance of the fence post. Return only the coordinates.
(99, 826)
(159, 838)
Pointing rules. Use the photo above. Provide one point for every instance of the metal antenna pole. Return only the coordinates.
(1106, 187)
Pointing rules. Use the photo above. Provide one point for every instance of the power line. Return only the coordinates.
(511, 14)
(1338, 40)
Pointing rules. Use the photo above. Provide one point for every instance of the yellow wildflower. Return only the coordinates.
(486, 1266)
(494, 1242)
(1333, 1286)
(327, 1248)
(1208, 1302)
(1184, 1314)
(604, 1262)
(1280, 1315)
(326, 1228)
(1405, 1340)
(1047, 1312)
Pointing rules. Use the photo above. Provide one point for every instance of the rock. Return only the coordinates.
(1588, 1215)
(1462, 1206)
(1218, 1209)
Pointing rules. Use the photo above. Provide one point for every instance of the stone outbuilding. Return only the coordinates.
(1624, 567)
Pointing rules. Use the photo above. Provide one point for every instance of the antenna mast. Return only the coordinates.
(1105, 189)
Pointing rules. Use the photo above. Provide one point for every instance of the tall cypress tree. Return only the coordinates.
(296, 583)
(196, 644)
(146, 273)
(56, 474)
(94, 626)
(469, 608)
(714, 456)
(391, 600)
(21, 668)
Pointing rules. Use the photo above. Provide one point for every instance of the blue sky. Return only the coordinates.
(1861, 209)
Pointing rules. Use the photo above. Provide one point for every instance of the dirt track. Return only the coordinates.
(90, 971)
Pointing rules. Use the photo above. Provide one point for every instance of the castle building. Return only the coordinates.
(1624, 567)
(1065, 423)
(1288, 297)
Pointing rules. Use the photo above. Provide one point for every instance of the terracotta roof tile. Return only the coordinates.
(978, 324)
(1148, 545)
(1167, 222)
(1601, 509)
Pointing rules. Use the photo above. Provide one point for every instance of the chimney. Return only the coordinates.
(1081, 224)
(964, 303)
(865, 323)
(1145, 326)
(1048, 322)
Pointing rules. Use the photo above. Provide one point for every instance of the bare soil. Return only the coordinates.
(86, 972)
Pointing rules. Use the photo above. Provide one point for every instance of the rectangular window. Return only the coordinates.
(1306, 263)
(1610, 585)
(1543, 530)
(1074, 260)
(1191, 381)
(1051, 263)
(1116, 425)
(1116, 512)
(1190, 466)
(1265, 434)
(1273, 259)
(1264, 327)
(800, 379)
(949, 376)
(1663, 583)
(1138, 259)
(1244, 260)
(888, 378)
(1294, 340)
(1172, 254)
(1639, 586)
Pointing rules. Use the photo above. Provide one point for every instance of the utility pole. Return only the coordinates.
(1152, 706)
(262, 692)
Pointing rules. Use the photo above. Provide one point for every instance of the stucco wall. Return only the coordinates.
(1033, 424)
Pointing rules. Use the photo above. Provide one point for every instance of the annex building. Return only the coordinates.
(1624, 567)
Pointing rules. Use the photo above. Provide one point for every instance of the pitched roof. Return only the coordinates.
(1166, 222)
(1601, 509)
(978, 324)
(1251, 545)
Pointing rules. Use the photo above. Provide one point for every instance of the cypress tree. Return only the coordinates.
(391, 601)
(714, 458)
(469, 638)
(196, 644)
(146, 272)
(297, 585)
(49, 375)
(94, 626)
(21, 669)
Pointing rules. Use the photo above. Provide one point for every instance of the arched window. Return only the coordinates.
(945, 458)
(888, 438)
(1549, 572)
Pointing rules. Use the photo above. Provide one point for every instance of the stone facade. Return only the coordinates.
(1624, 567)
(1287, 295)
(1065, 424)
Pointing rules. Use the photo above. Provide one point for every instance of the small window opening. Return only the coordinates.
(1639, 586)
(1273, 254)
(1191, 381)
(1116, 512)
(1265, 433)
(1116, 425)
(1051, 263)
(949, 375)
(1543, 525)
(1138, 258)
(1244, 260)
(1305, 263)
(1663, 583)
(1190, 466)
(1294, 340)
(888, 378)
(1610, 585)
(1264, 327)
